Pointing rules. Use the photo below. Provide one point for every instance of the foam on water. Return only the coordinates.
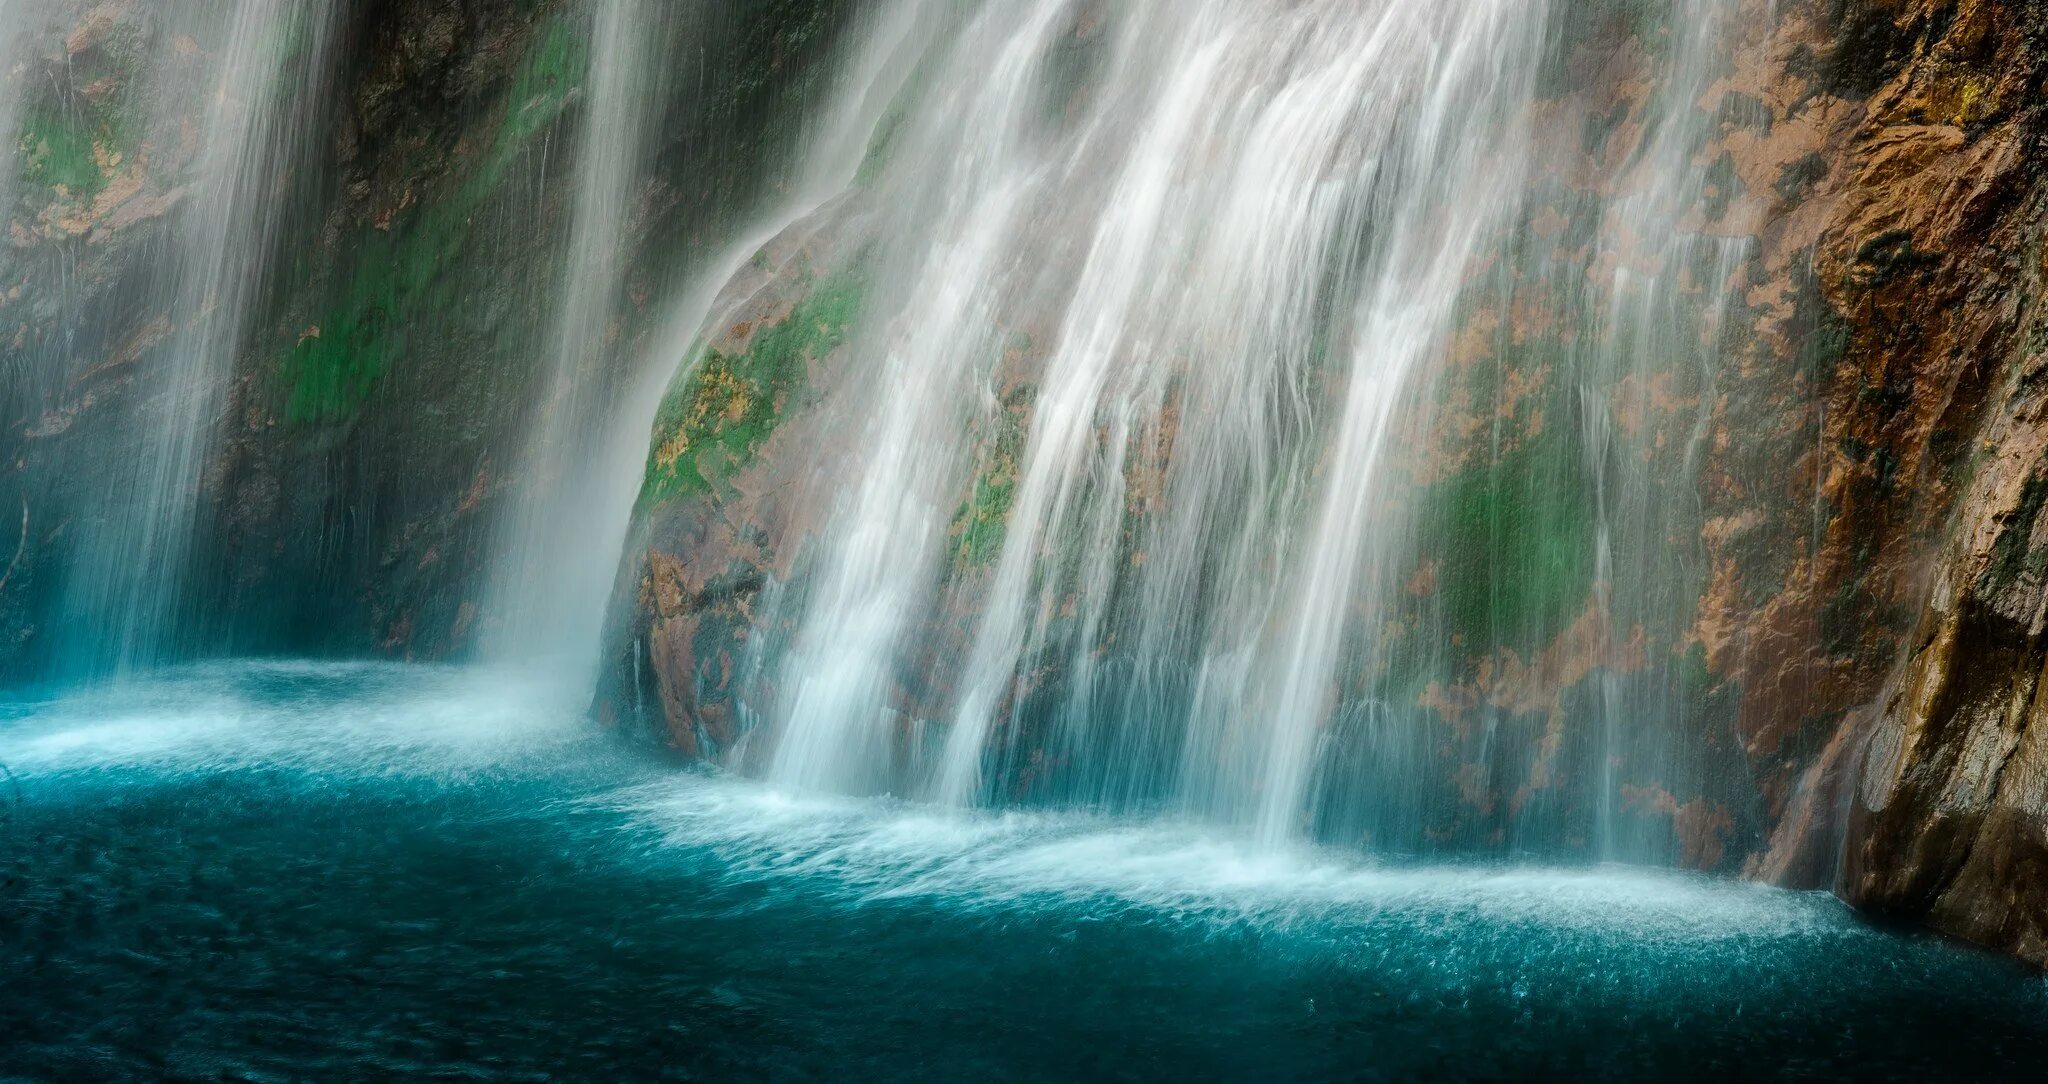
(366, 719)
(379, 721)
(283, 870)
(869, 850)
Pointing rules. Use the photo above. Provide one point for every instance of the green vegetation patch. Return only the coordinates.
(339, 360)
(64, 151)
(1514, 547)
(57, 153)
(77, 132)
(713, 421)
(979, 524)
(553, 70)
(402, 272)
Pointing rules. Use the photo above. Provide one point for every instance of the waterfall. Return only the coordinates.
(215, 108)
(555, 567)
(544, 580)
(1227, 406)
(1677, 272)
(893, 519)
(1267, 212)
(1247, 396)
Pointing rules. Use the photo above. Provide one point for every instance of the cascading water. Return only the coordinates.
(1200, 294)
(1127, 481)
(212, 105)
(554, 575)
(893, 521)
(1224, 403)
(1212, 193)
(545, 579)
(1676, 267)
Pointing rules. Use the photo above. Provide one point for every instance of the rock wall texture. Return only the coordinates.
(1886, 674)
(1938, 261)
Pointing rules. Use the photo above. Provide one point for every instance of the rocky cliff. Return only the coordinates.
(1936, 261)
(1885, 673)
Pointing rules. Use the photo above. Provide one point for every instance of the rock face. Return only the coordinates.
(717, 519)
(1842, 622)
(1948, 818)
(1887, 680)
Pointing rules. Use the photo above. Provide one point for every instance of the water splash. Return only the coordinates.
(357, 719)
(871, 851)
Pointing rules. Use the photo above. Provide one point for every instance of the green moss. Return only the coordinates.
(1516, 557)
(57, 154)
(553, 69)
(403, 272)
(80, 131)
(339, 360)
(713, 421)
(980, 523)
(61, 151)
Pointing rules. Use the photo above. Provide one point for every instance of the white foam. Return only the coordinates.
(383, 721)
(878, 850)
(357, 718)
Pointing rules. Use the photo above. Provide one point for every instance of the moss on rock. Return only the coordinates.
(401, 268)
(979, 524)
(1516, 556)
(712, 421)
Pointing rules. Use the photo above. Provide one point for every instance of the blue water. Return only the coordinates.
(275, 871)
